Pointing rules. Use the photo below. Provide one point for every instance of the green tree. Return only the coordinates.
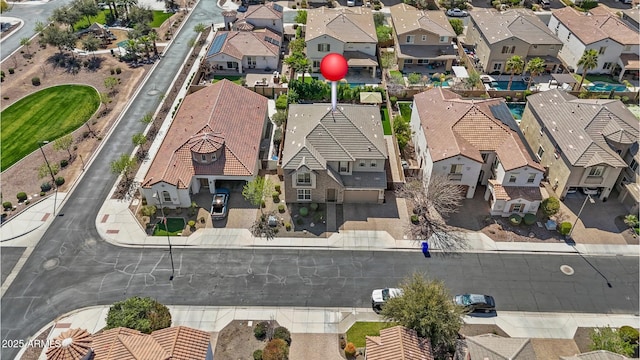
(472, 81)
(550, 206)
(257, 190)
(67, 15)
(122, 165)
(91, 44)
(535, 67)
(86, 8)
(64, 143)
(139, 139)
(414, 78)
(297, 45)
(402, 129)
(515, 64)
(105, 99)
(301, 17)
(26, 42)
(426, 307)
(378, 19)
(200, 28)
(588, 61)
(606, 338)
(631, 220)
(143, 314)
(43, 170)
(387, 59)
(279, 118)
(383, 33)
(457, 25)
(153, 37)
(276, 349)
(298, 63)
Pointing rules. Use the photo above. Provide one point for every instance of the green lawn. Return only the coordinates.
(174, 225)
(159, 17)
(395, 73)
(356, 334)
(386, 123)
(405, 110)
(233, 78)
(45, 115)
(101, 18)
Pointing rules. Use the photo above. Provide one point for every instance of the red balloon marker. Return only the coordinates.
(334, 67)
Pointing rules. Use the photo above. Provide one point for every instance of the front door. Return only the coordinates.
(480, 176)
(331, 195)
(204, 183)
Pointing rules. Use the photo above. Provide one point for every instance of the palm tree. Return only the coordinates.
(535, 66)
(146, 44)
(132, 46)
(153, 37)
(515, 64)
(26, 42)
(472, 80)
(588, 61)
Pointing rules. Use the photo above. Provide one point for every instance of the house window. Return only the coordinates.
(362, 163)
(343, 166)
(444, 39)
(531, 179)
(513, 178)
(408, 61)
(231, 65)
(304, 194)
(409, 39)
(485, 157)
(324, 47)
(424, 37)
(496, 162)
(373, 163)
(497, 66)
(602, 50)
(166, 197)
(508, 50)
(304, 179)
(607, 66)
(316, 63)
(251, 61)
(423, 61)
(456, 169)
(633, 165)
(203, 157)
(540, 152)
(517, 208)
(596, 171)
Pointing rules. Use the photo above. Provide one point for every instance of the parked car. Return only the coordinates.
(590, 190)
(351, 3)
(220, 204)
(546, 4)
(457, 13)
(242, 9)
(475, 302)
(380, 296)
(572, 190)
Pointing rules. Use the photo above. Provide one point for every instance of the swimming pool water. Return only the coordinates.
(602, 86)
(515, 85)
(516, 110)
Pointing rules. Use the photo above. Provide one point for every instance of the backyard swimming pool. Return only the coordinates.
(516, 110)
(515, 85)
(603, 86)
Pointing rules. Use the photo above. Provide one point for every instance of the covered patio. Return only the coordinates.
(361, 63)
(630, 64)
(425, 59)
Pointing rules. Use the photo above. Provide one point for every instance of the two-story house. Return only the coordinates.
(581, 142)
(497, 36)
(215, 135)
(617, 44)
(423, 38)
(264, 16)
(476, 143)
(629, 182)
(334, 156)
(349, 32)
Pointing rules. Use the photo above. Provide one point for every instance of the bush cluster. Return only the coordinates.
(35, 81)
(22, 196)
(260, 331)
(7, 205)
(529, 219)
(515, 219)
(564, 228)
(46, 186)
(59, 181)
(64, 163)
(350, 350)
(283, 333)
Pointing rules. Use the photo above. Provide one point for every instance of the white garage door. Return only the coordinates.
(361, 196)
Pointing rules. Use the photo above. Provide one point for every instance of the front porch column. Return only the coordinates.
(621, 74)
(373, 72)
(240, 67)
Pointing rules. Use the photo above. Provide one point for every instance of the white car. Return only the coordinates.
(457, 13)
(590, 190)
(351, 3)
(380, 296)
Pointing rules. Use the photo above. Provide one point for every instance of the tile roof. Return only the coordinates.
(398, 343)
(316, 135)
(595, 355)
(494, 347)
(407, 18)
(519, 23)
(455, 126)
(223, 112)
(266, 11)
(598, 24)
(238, 44)
(72, 344)
(183, 343)
(508, 193)
(581, 127)
(352, 25)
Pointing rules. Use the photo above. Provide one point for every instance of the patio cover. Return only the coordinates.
(358, 58)
(564, 78)
(630, 61)
(370, 97)
(460, 71)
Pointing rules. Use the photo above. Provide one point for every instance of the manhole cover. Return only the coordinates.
(51, 264)
(566, 269)
(153, 92)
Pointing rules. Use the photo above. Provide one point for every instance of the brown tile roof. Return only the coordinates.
(407, 18)
(507, 193)
(519, 23)
(266, 11)
(247, 43)
(630, 61)
(596, 355)
(183, 343)
(398, 343)
(490, 346)
(223, 112)
(353, 25)
(598, 25)
(72, 344)
(455, 126)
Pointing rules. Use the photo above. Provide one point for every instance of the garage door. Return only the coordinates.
(361, 196)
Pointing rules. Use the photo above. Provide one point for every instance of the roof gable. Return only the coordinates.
(596, 25)
(407, 18)
(353, 25)
(496, 347)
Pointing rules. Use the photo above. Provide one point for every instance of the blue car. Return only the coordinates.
(220, 204)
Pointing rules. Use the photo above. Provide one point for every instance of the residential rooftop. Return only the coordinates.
(523, 24)
(352, 25)
(596, 25)
(407, 18)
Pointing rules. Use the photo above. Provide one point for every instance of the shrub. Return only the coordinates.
(281, 208)
(143, 314)
(629, 334)
(276, 349)
(414, 218)
(299, 222)
(550, 206)
(45, 186)
(515, 219)
(393, 100)
(260, 331)
(64, 163)
(42, 193)
(118, 70)
(526, 93)
(564, 228)
(287, 226)
(59, 181)
(11, 70)
(350, 350)
(192, 223)
(529, 219)
(148, 210)
(262, 203)
(304, 211)
(281, 103)
(112, 71)
(283, 333)
(35, 81)
(314, 206)
(257, 355)
(278, 188)
(7, 205)
(343, 343)
(22, 196)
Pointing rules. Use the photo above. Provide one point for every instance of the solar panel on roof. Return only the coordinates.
(272, 40)
(217, 44)
(277, 7)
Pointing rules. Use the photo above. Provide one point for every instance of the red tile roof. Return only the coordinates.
(183, 343)
(70, 345)
(221, 115)
(508, 193)
(598, 24)
(398, 343)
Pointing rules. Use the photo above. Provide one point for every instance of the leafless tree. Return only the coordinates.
(433, 202)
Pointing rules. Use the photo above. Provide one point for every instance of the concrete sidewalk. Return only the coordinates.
(338, 320)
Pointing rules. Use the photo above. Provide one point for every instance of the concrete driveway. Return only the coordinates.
(241, 215)
(392, 216)
(597, 221)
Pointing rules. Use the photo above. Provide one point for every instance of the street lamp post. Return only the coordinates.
(580, 213)
(166, 228)
(53, 178)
